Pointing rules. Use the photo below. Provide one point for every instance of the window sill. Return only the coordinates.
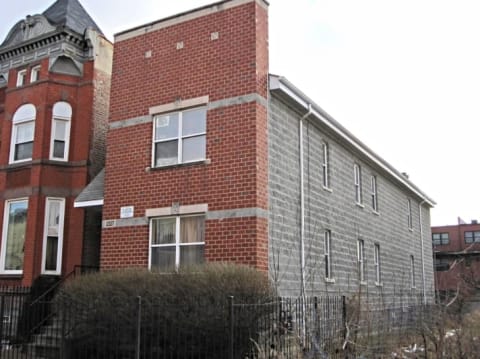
(361, 205)
(411, 230)
(376, 212)
(10, 276)
(206, 161)
(379, 284)
(363, 283)
(330, 280)
(328, 189)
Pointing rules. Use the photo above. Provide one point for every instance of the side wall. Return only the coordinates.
(336, 210)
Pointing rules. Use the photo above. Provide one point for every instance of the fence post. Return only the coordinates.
(232, 327)
(139, 325)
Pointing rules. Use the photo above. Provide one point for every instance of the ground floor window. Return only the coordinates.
(176, 241)
(13, 240)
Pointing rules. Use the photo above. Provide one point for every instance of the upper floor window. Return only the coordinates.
(374, 193)
(357, 176)
(440, 239)
(327, 240)
(60, 136)
(179, 137)
(23, 131)
(21, 77)
(472, 237)
(176, 241)
(35, 74)
(13, 238)
(409, 214)
(325, 166)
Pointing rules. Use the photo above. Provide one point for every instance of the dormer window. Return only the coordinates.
(21, 77)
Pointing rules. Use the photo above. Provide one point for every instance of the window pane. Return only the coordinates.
(58, 149)
(163, 258)
(166, 153)
(194, 122)
(24, 132)
(53, 218)
(191, 255)
(51, 253)
(163, 231)
(194, 148)
(166, 126)
(476, 236)
(192, 229)
(60, 130)
(23, 151)
(17, 224)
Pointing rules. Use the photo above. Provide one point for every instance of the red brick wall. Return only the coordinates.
(236, 64)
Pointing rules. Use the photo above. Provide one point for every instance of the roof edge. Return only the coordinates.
(279, 83)
(182, 17)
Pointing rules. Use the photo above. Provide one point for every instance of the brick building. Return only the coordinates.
(456, 251)
(55, 71)
(209, 157)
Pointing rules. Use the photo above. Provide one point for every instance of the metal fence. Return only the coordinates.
(141, 328)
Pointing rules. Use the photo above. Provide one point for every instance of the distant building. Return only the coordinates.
(211, 158)
(55, 71)
(456, 252)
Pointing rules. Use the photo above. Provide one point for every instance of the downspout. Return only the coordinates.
(423, 254)
(302, 199)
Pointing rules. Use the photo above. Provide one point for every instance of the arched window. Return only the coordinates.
(60, 137)
(23, 131)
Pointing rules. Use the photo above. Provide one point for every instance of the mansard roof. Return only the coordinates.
(70, 13)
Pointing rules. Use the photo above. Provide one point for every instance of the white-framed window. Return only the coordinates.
(13, 236)
(409, 214)
(21, 77)
(60, 135)
(35, 74)
(176, 241)
(179, 137)
(376, 262)
(374, 193)
(361, 260)
(412, 271)
(357, 177)
(23, 132)
(325, 166)
(327, 248)
(53, 236)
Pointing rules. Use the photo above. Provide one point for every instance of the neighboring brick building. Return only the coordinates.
(456, 252)
(55, 71)
(211, 158)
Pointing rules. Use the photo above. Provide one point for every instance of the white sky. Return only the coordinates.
(403, 76)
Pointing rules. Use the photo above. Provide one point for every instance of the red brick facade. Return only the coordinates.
(41, 177)
(183, 59)
(458, 261)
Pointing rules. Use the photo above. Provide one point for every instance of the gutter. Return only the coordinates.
(302, 198)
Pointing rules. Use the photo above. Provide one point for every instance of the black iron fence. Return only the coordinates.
(287, 328)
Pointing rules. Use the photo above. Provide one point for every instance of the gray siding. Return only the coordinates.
(335, 209)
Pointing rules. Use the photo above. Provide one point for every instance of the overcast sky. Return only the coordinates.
(403, 76)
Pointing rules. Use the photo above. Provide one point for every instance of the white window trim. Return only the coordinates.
(374, 193)
(409, 215)
(15, 123)
(34, 72)
(327, 251)
(326, 166)
(21, 78)
(177, 243)
(357, 176)
(180, 138)
(4, 236)
(361, 261)
(378, 264)
(67, 118)
(412, 272)
(61, 223)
